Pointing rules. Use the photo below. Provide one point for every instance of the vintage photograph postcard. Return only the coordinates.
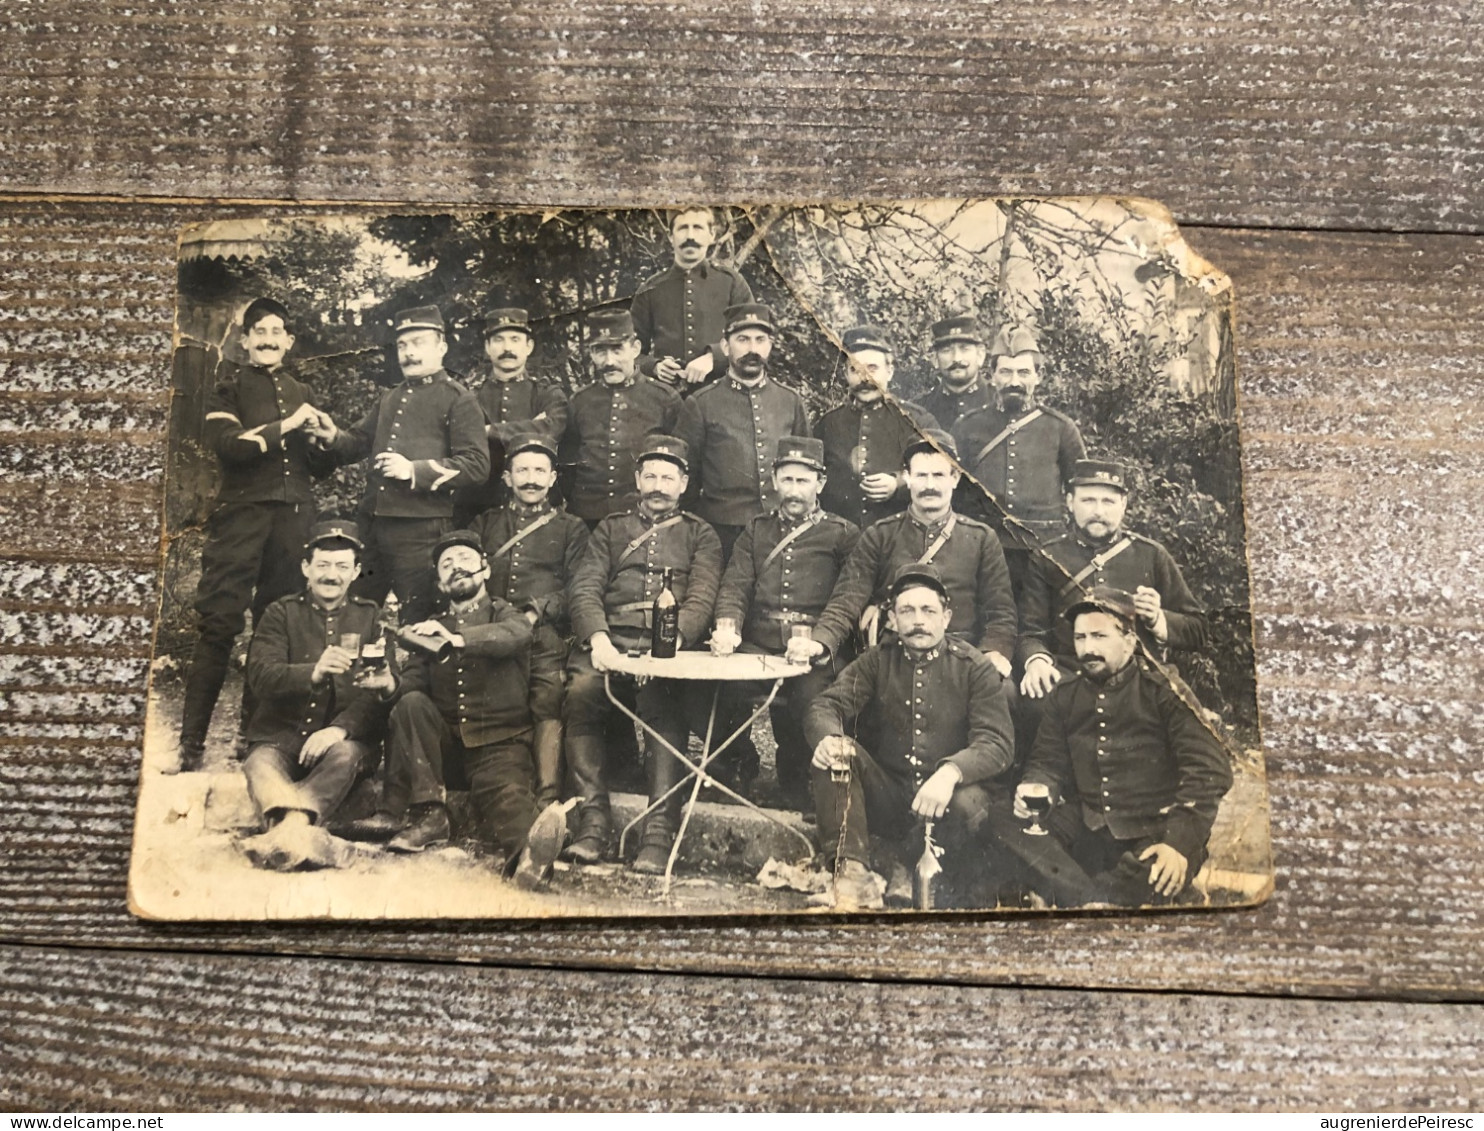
(847, 558)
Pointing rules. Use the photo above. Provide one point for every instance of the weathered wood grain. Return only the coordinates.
(1360, 365)
(1297, 114)
(114, 1031)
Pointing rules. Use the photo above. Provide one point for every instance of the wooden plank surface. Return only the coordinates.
(153, 1032)
(1297, 113)
(1359, 359)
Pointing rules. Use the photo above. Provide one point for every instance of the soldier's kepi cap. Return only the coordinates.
(747, 316)
(530, 442)
(333, 530)
(505, 318)
(1014, 340)
(964, 328)
(672, 448)
(1099, 473)
(931, 440)
(456, 538)
(609, 327)
(910, 575)
(804, 450)
(418, 318)
(1105, 599)
(865, 337)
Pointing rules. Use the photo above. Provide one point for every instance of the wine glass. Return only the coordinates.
(1036, 798)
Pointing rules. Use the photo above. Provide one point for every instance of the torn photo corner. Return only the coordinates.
(785, 559)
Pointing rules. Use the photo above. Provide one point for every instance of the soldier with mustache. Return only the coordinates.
(958, 356)
(679, 313)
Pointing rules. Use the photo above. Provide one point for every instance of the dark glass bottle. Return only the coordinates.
(665, 634)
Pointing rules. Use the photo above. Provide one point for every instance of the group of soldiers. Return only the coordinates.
(970, 643)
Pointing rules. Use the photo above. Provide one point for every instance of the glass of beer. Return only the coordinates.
(373, 655)
(723, 638)
(1036, 798)
(351, 642)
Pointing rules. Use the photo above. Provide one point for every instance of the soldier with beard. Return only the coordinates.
(958, 356)
(1020, 451)
(734, 424)
(1133, 775)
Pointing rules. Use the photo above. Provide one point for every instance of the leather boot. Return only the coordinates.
(429, 829)
(378, 828)
(546, 745)
(594, 831)
(655, 845)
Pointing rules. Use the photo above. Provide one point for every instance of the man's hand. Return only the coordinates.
(1167, 876)
(932, 799)
(697, 369)
(1041, 675)
(879, 486)
(305, 416)
(317, 743)
(605, 655)
(381, 680)
(394, 465)
(334, 660)
(436, 630)
(1001, 664)
(668, 369)
(322, 428)
(1019, 808)
(1147, 605)
(803, 650)
(834, 750)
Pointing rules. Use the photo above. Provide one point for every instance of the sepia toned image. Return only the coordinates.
(702, 561)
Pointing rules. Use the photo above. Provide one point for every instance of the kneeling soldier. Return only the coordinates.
(313, 730)
(939, 725)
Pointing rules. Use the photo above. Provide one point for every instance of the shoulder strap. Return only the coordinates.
(1009, 431)
(1098, 562)
(520, 535)
(648, 534)
(937, 544)
(788, 539)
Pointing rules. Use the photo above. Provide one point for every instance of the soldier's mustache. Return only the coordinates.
(750, 358)
(690, 243)
(460, 575)
(508, 357)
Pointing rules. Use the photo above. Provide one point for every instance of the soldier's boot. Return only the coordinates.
(593, 826)
(429, 828)
(655, 845)
(594, 831)
(659, 827)
(546, 744)
(203, 686)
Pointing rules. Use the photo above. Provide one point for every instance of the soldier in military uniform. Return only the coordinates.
(678, 313)
(314, 730)
(612, 419)
(1097, 550)
(1020, 451)
(611, 597)
(780, 577)
(966, 553)
(1134, 775)
(427, 436)
(958, 356)
(532, 546)
(258, 422)
(470, 710)
(933, 725)
(514, 403)
(734, 424)
(864, 438)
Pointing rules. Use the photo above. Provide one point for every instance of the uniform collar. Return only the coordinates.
(701, 269)
(629, 384)
(931, 528)
(920, 659)
(1030, 405)
(481, 601)
(1087, 543)
(648, 521)
(868, 406)
(968, 390)
(492, 377)
(1119, 679)
(415, 382)
(788, 523)
(743, 386)
(524, 513)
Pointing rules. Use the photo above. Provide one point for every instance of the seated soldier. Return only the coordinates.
(782, 572)
(313, 731)
(533, 546)
(471, 704)
(611, 597)
(1132, 774)
(938, 723)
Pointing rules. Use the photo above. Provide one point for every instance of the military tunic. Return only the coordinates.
(534, 572)
(679, 313)
(1025, 473)
(949, 407)
(972, 565)
(605, 433)
(511, 408)
(733, 430)
(1049, 593)
(864, 439)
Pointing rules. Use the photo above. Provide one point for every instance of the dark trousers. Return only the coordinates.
(875, 803)
(423, 750)
(1073, 864)
(250, 560)
(277, 782)
(728, 536)
(399, 558)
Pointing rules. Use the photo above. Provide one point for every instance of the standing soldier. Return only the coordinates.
(514, 403)
(958, 356)
(612, 595)
(678, 313)
(779, 579)
(864, 438)
(258, 422)
(734, 424)
(427, 436)
(1020, 452)
(611, 420)
(532, 547)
